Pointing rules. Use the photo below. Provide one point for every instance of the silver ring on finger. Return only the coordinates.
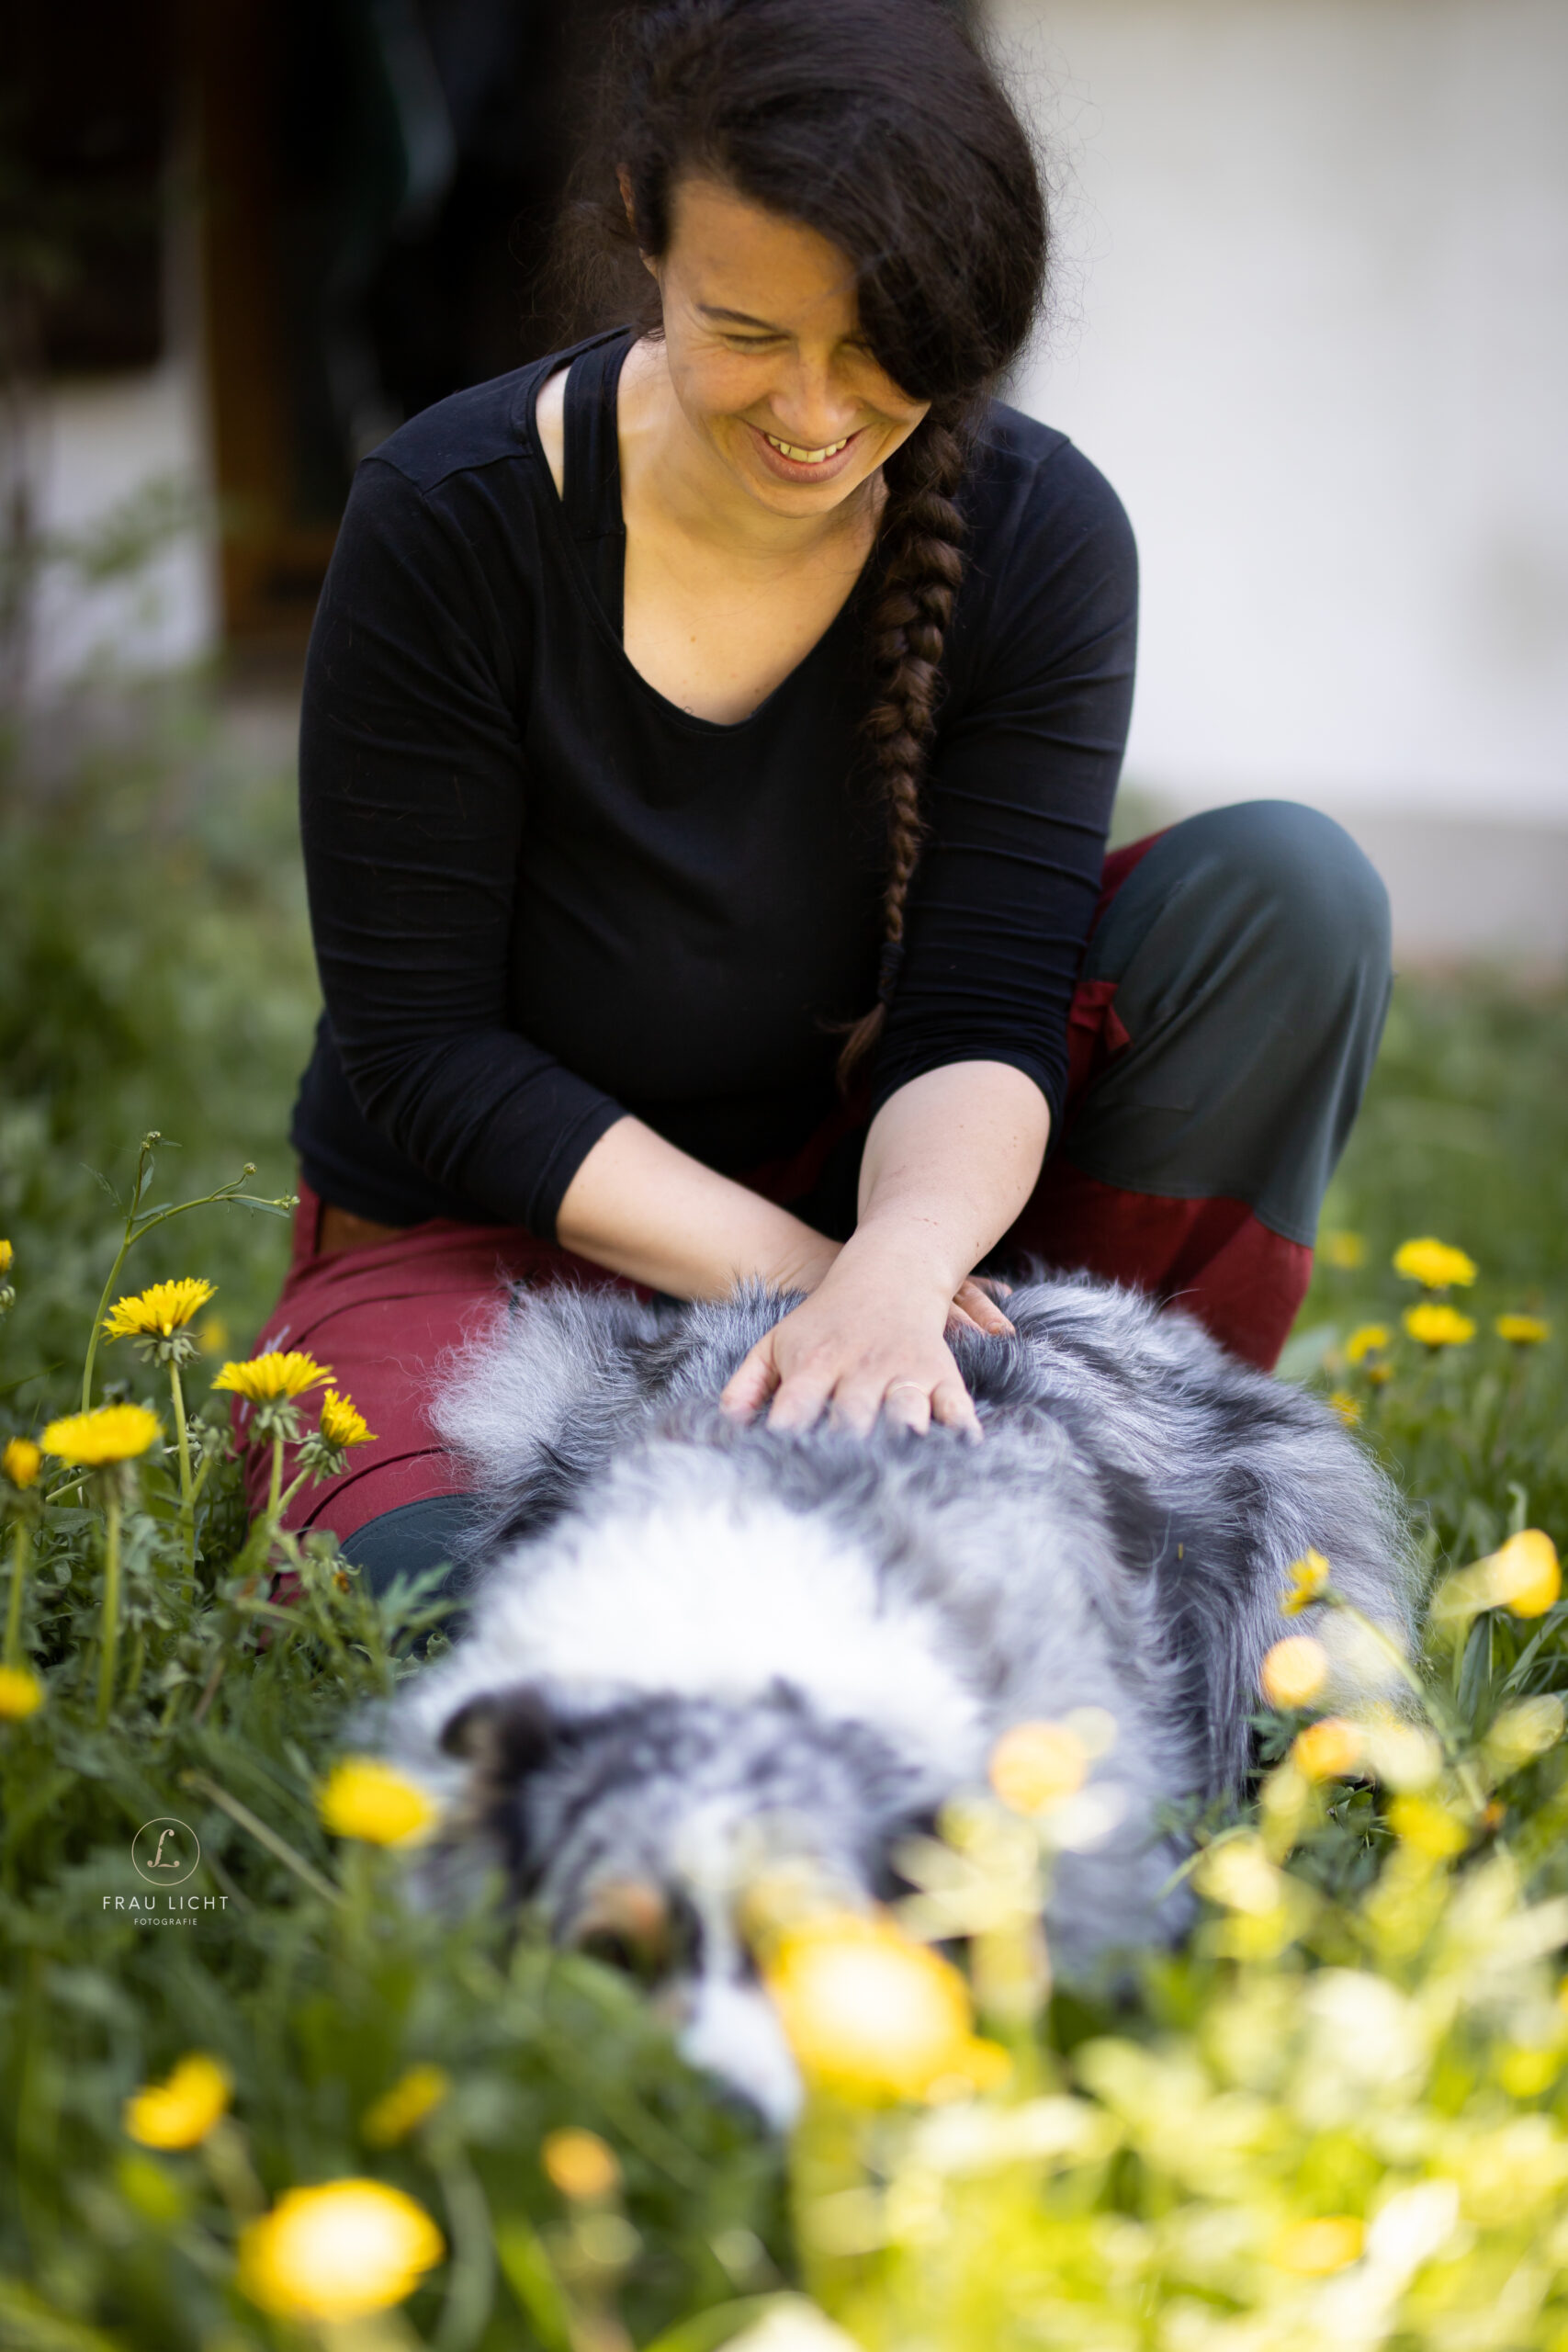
(919, 1384)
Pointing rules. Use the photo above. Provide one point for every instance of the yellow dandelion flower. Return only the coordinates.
(163, 1308)
(1344, 1251)
(274, 1374)
(1366, 1340)
(1523, 1330)
(8, 1256)
(1526, 1576)
(1433, 1831)
(1294, 1671)
(21, 1460)
(21, 1693)
(1309, 1581)
(108, 1433)
(580, 2165)
(340, 1424)
(1433, 1264)
(364, 1798)
(1436, 1325)
(1346, 1406)
(1034, 1766)
(1313, 2249)
(1327, 1749)
(404, 2108)
(212, 1336)
(868, 2012)
(180, 2112)
(338, 2252)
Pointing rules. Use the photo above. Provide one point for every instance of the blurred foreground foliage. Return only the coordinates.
(1337, 2117)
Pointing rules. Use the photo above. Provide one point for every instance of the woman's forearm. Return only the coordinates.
(949, 1162)
(643, 1209)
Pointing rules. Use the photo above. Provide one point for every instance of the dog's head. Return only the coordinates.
(642, 1830)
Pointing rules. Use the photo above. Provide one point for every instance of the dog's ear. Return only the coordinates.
(505, 1734)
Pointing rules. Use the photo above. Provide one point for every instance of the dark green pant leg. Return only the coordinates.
(1250, 951)
(407, 1540)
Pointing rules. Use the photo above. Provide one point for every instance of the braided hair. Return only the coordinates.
(881, 125)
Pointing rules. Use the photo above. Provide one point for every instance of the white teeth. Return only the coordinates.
(807, 456)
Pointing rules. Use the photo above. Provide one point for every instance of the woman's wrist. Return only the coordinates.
(909, 1251)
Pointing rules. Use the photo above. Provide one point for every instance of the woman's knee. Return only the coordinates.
(1299, 873)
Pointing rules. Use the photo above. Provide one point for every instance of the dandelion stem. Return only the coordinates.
(21, 1557)
(207, 1787)
(108, 1655)
(187, 1491)
(274, 1489)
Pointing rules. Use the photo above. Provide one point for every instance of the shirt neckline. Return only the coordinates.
(584, 585)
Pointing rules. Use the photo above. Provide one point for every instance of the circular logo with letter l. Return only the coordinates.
(165, 1853)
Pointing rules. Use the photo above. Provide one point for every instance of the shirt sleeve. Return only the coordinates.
(1020, 794)
(412, 804)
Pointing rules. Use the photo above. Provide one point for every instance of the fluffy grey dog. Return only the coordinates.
(699, 1649)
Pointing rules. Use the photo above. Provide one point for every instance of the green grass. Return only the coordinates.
(155, 973)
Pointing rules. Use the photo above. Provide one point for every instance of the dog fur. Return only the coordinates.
(699, 1648)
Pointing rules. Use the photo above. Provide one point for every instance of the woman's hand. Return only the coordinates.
(869, 1340)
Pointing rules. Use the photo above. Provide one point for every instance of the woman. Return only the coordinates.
(709, 741)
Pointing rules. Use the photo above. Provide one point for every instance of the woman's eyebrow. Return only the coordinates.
(736, 318)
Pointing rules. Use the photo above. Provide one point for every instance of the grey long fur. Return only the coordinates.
(695, 1645)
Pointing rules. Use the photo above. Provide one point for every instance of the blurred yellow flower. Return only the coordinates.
(1434, 1265)
(338, 2252)
(1327, 1750)
(1366, 1340)
(180, 2112)
(869, 2013)
(108, 1433)
(404, 2108)
(8, 1256)
(21, 1693)
(1346, 1406)
(1527, 1574)
(1418, 1822)
(213, 1336)
(1309, 1581)
(21, 1460)
(1294, 1671)
(1522, 1330)
(162, 1309)
(1344, 1251)
(364, 1798)
(1035, 1765)
(274, 1374)
(1312, 2249)
(341, 1424)
(1237, 1874)
(580, 2165)
(1436, 1325)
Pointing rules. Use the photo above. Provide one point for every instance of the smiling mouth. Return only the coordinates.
(807, 457)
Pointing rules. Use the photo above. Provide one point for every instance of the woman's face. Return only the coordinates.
(764, 351)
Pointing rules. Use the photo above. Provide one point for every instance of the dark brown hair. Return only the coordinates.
(879, 124)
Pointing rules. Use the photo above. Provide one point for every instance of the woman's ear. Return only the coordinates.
(624, 182)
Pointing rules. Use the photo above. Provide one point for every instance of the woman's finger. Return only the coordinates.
(975, 1299)
(798, 1401)
(954, 1407)
(751, 1384)
(906, 1404)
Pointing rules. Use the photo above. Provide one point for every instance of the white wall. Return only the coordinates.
(94, 443)
(1313, 325)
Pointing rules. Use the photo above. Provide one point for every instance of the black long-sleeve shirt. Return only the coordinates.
(543, 895)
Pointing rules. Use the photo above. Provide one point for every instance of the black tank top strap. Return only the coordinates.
(592, 494)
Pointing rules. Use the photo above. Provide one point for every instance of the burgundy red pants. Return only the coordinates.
(1232, 999)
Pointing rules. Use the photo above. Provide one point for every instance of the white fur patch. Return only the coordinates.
(719, 1598)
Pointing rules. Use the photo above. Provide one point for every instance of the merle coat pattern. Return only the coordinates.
(697, 1648)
